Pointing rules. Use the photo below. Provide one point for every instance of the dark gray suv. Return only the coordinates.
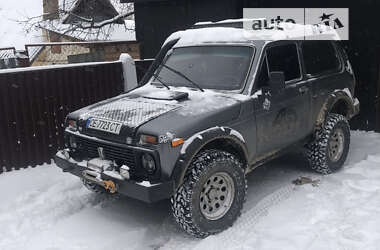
(211, 109)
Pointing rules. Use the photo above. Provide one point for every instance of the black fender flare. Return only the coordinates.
(194, 144)
(331, 100)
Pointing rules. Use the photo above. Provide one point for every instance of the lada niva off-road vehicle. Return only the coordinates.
(214, 105)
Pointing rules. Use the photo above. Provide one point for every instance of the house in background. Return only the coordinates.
(104, 44)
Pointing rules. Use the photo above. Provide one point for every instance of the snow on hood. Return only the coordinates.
(131, 112)
(137, 107)
(198, 102)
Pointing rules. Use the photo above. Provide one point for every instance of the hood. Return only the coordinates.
(131, 112)
(199, 111)
(157, 109)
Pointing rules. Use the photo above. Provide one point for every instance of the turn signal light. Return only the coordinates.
(148, 139)
(177, 141)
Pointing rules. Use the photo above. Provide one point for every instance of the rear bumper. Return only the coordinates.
(143, 191)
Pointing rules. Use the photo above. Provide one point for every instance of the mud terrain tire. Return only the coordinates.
(328, 152)
(211, 170)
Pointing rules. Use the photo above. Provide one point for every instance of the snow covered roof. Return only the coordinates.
(121, 30)
(103, 9)
(12, 33)
(209, 32)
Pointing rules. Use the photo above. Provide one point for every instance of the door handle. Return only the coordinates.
(303, 89)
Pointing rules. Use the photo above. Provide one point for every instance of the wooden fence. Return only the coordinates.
(35, 101)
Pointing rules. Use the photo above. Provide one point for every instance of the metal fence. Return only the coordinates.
(34, 103)
(79, 52)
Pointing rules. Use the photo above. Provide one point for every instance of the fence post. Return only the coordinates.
(129, 72)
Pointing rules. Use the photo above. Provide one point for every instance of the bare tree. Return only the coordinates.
(86, 27)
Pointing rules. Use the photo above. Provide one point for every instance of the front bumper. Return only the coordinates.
(143, 191)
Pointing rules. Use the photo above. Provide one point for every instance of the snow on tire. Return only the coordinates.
(329, 151)
(212, 194)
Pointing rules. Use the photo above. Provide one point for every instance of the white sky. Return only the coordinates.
(11, 33)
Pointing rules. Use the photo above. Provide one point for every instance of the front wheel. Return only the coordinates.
(212, 194)
(329, 151)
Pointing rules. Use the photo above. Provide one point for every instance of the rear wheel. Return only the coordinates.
(329, 151)
(212, 195)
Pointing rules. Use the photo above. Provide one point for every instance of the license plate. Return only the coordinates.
(104, 125)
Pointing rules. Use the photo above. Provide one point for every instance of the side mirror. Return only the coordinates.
(276, 82)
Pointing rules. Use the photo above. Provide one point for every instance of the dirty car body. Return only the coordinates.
(144, 140)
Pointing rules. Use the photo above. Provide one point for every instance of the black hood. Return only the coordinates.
(146, 104)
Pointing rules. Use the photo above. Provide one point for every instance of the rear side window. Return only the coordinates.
(284, 58)
(320, 57)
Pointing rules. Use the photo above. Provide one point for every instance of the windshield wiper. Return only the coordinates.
(183, 76)
(158, 78)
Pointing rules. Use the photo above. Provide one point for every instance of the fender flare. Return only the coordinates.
(331, 100)
(194, 144)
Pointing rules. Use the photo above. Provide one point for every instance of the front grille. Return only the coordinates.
(114, 153)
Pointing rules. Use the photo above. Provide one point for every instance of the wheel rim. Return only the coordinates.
(217, 195)
(336, 145)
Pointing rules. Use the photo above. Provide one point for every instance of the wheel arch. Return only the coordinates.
(220, 138)
(338, 102)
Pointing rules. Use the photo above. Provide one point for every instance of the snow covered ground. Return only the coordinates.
(43, 208)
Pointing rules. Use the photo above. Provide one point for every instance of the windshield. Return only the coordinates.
(210, 67)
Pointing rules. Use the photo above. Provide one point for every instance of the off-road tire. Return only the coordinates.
(186, 201)
(318, 150)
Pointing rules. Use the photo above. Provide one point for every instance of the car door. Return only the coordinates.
(283, 118)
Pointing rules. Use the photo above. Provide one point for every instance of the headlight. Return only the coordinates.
(73, 125)
(148, 139)
(148, 163)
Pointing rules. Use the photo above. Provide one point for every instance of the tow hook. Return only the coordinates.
(94, 177)
(110, 186)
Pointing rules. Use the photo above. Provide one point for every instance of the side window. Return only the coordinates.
(319, 57)
(284, 58)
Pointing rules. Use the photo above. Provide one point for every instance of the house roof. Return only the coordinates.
(104, 9)
(99, 10)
